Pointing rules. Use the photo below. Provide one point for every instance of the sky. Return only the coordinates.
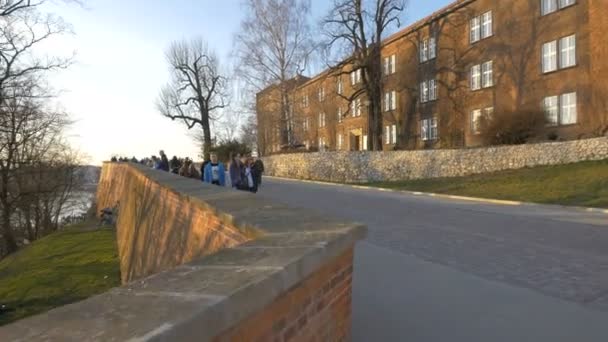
(111, 90)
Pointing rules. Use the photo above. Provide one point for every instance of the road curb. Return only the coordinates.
(445, 196)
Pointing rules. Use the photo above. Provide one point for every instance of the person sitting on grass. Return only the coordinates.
(215, 173)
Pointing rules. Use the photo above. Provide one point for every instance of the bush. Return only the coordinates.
(512, 128)
(224, 149)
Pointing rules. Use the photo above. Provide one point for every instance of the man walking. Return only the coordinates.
(258, 167)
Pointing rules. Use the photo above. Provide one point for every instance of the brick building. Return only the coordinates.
(441, 74)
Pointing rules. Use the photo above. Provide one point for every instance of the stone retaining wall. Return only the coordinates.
(360, 167)
(235, 267)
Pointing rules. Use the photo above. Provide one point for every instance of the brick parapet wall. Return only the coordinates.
(356, 167)
(317, 309)
(263, 271)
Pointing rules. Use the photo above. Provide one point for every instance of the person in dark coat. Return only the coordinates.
(258, 166)
(248, 176)
(235, 170)
(164, 162)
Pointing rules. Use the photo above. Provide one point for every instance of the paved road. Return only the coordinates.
(433, 269)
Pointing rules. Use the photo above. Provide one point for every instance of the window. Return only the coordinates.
(355, 77)
(305, 101)
(355, 107)
(568, 109)
(567, 46)
(321, 94)
(428, 91)
(487, 79)
(481, 27)
(321, 119)
(432, 90)
(548, 6)
(428, 49)
(424, 51)
(340, 114)
(428, 129)
(432, 48)
(424, 92)
(339, 141)
(486, 25)
(390, 134)
(550, 56)
(306, 125)
(390, 101)
(476, 77)
(389, 65)
(340, 86)
(364, 145)
(475, 122)
(551, 108)
(387, 135)
(475, 30)
(321, 144)
(566, 3)
(567, 55)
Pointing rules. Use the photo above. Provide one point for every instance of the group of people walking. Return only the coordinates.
(245, 172)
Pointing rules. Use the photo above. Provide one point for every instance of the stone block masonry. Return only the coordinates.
(361, 167)
(206, 263)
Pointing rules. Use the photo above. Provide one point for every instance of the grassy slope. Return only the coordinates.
(580, 184)
(59, 269)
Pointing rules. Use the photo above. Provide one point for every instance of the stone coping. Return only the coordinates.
(200, 299)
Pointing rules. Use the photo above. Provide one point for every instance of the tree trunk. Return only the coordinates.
(207, 137)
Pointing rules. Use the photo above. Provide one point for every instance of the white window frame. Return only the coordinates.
(340, 118)
(356, 107)
(306, 124)
(487, 75)
(551, 109)
(568, 103)
(548, 6)
(424, 92)
(475, 124)
(340, 86)
(393, 68)
(428, 129)
(321, 119)
(394, 134)
(321, 94)
(432, 48)
(567, 52)
(475, 77)
(475, 30)
(424, 50)
(390, 101)
(355, 77)
(432, 90)
(566, 3)
(364, 143)
(339, 141)
(549, 56)
(486, 25)
(387, 135)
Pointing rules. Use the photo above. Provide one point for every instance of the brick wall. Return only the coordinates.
(159, 228)
(317, 309)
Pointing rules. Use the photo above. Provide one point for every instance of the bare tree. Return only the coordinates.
(13, 7)
(28, 127)
(357, 28)
(273, 46)
(197, 89)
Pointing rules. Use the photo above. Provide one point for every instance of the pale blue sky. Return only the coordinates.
(120, 45)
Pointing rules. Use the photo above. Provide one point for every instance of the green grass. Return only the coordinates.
(580, 184)
(61, 268)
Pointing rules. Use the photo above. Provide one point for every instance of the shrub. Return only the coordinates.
(224, 149)
(512, 128)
